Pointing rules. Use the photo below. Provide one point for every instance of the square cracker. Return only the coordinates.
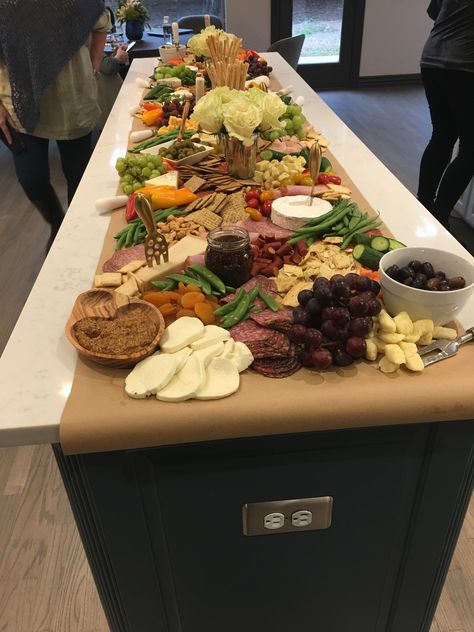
(194, 183)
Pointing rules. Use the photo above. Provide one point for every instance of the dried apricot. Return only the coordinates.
(190, 299)
(205, 312)
(185, 312)
(191, 288)
(212, 299)
(168, 309)
(161, 298)
(181, 287)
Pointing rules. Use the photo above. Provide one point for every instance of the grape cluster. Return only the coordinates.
(332, 320)
(258, 67)
(293, 120)
(187, 76)
(174, 107)
(134, 170)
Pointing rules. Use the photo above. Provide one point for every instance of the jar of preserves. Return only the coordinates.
(229, 254)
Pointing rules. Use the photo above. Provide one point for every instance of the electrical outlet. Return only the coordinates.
(301, 518)
(274, 521)
(284, 516)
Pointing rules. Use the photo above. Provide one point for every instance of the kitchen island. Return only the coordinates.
(162, 527)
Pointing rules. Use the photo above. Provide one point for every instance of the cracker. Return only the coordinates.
(205, 201)
(233, 212)
(194, 183)
(206, 218)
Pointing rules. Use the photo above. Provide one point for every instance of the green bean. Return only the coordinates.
(184, 278)
(369, 224)
(231, 305)
(241, 310)
(121, 241)
(164, 285)
(268, 300)
(209, 276)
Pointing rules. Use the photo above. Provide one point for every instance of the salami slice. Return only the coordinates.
(266, 228)
(281, 320)
(122, 257)
(266, 285)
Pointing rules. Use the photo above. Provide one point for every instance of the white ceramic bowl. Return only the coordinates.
(441, 307)
(189, 160)
(169, 52)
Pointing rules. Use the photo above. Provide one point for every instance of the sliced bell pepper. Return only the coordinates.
(152, 106)
(153, 117)
(161, 198)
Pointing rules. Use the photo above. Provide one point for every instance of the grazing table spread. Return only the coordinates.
(158, 487)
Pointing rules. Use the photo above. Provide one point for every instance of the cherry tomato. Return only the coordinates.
(307, 181)
(253, 202)
(267, 195)
(254, 213)
(252, 194)
(323, 178)
(334, 179)
(266, 208)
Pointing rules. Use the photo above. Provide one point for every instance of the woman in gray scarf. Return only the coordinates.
(48, 91)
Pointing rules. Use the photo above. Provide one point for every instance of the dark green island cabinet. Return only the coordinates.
(163, 530)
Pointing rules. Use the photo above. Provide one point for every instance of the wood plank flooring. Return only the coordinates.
(45, 580)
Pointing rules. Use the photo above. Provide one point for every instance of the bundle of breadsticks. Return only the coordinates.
(226, 69)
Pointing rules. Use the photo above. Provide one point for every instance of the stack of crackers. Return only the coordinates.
(216, 209)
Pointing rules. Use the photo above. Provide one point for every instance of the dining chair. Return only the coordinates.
(196, 22)
(289, 48)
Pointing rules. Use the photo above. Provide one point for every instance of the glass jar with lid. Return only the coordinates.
(229, 254)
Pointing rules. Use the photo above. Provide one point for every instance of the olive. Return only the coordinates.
(406, 272)
(421, 278)
(418, 282)
(440, 275)
(428, 269)
(408, 280)
(456, 283)
(433, 283)
(443, 286)
(416, 265)
(392, 271)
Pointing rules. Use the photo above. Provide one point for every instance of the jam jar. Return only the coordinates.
(229, 254)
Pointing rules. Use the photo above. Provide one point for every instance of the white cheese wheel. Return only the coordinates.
(292, 211)
(222, 379)
(150, 375)
(180, 334)
(186, 383)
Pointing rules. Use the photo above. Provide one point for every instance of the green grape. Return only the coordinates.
(155, 173)
(301, 134)
(297, 110)
(120, 163)
(128, 178)
(297, 122)
(288, 124)
(137, 185)
(146, 172)
(274, 135)
(142, 161)
(128, 189)
(150, 164)
(158, 160)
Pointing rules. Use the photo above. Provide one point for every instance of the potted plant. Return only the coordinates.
(135, 15)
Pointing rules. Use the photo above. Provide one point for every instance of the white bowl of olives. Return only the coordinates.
(426, 283)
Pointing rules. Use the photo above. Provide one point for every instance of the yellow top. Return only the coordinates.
(68, 107)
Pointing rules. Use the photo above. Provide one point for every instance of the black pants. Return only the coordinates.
(450, 95)
(32, 169)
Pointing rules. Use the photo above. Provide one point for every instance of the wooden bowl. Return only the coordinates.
(109, 305)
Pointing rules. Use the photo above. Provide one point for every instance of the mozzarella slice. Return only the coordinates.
(150, 375)
(184, 384)
(181, 358)
(181, 333)
(212, 334)
(206, 354)
(222, 379)
(229, 346)
(242, 356)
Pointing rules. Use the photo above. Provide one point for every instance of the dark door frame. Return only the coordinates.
(344, 74)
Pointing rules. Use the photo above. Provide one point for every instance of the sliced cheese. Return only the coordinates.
(181, 357)
(150, 375)
(242, 356)
(186, 247)
(212, 334)
(208, 353)
(169, 179)
(186, 383)
(293, 211)
(180, 334)
(129, 288)
(222, 379)
(229, 346)
(132, 266)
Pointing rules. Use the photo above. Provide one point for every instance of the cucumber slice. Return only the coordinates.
(367, 256)
(326, 165)
(361, 238)
(382, 244)
(394, 244)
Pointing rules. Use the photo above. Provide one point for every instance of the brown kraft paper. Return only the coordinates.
(100, 417)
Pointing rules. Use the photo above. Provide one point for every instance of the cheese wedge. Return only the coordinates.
(180, 334)
(150, 375)
(222, 379)
(167, 179)
(186, 383)
(292, 211)
(186, 247)
(212, 334)
(208, 353)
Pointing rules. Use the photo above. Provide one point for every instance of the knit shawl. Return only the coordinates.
(37, 39)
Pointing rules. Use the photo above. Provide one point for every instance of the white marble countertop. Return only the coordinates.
(37, 366)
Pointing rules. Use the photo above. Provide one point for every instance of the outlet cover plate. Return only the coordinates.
(253, 515)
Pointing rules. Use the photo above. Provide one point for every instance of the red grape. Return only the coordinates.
(298, 333)
(301, 316)
(328, 313)
(341, 316)
(313, 338)
(360, 326)
(373, 307)
(336, 278)
(375, 287)
(341, 357)
(305, 357)
(330, 330)
(351, 278)
(367, 296)
(341, 288)
(322, 358)
(358, 306)
(313, 306)
(355, 346)
(363, 284)
(304, 296)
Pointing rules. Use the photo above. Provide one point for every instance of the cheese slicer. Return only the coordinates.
(442, 349)
(314, 160)
(155, 243)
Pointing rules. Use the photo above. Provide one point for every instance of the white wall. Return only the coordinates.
(250, 19)
(394, 34)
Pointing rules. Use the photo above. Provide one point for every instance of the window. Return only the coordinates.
(175, 9)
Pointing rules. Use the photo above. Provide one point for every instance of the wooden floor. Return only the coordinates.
(45, 581)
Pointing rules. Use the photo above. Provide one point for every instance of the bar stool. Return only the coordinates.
(289, 48)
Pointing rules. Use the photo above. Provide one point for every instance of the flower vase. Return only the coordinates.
(133, 30)
(241, 157)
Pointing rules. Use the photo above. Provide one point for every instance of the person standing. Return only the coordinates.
(50, 53)
(447, 70)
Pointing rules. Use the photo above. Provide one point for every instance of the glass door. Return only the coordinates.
(333, 36)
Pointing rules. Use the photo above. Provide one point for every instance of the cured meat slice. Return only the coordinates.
(266, 228)
(122, 257)
(249, 331)
(281, 320)
(266, 285)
